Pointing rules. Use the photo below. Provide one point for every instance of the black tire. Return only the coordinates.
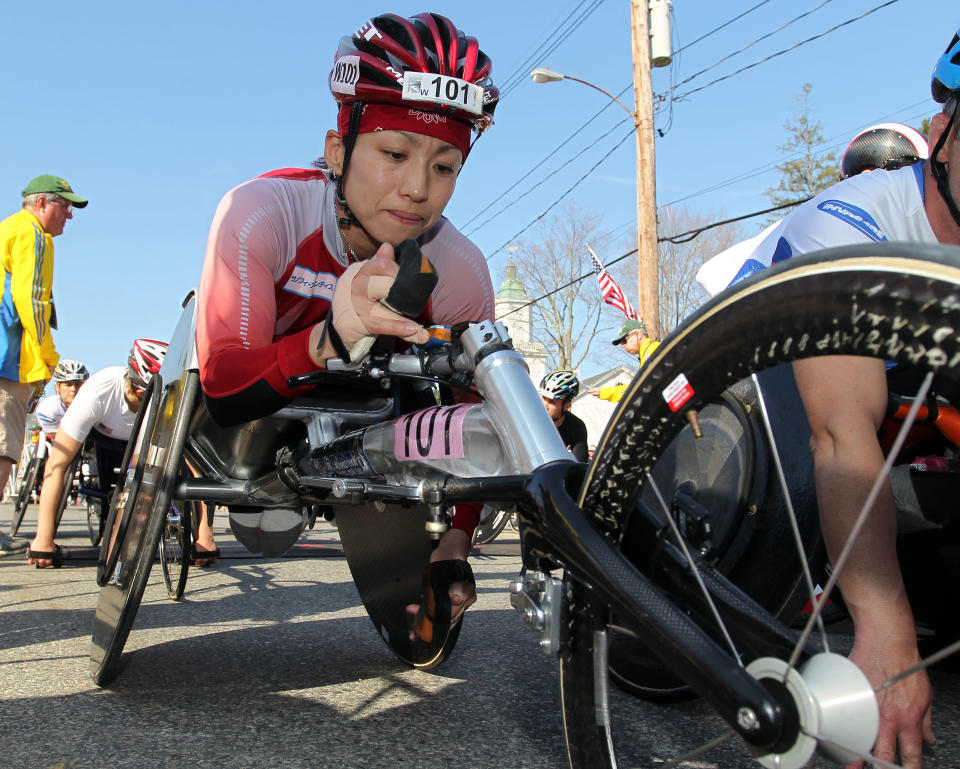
(889, 301)
(131, 538)
(175, 545)
(22, 502)
(133, 466)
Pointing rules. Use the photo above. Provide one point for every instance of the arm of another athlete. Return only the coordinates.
(62, 451)
(845, 399)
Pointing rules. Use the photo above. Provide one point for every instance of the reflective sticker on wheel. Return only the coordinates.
(677, 392)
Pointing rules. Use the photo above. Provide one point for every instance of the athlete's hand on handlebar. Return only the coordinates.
(358, 316)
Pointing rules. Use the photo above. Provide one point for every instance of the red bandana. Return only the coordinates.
(390, 117)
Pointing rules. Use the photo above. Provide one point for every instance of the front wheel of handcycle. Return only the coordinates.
(891, 301)
(137, 516)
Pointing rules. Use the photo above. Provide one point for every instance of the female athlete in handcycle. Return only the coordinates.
(298, 260)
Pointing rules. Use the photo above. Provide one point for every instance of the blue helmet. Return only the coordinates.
(562, 385)
(946, 74)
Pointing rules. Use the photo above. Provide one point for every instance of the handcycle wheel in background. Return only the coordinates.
(490, 526)
(175, 544)
(95, 520)
(887, 301)
(138, 512)
(68, 481)
(22, 502)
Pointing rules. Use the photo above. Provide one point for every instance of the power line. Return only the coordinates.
(672, 97)
(555, 171)
(837, 141)
(753, 43)
(717, 29)
(786, 50)
(520, 73)
(686, 237)
(570, 189)
(664, 238)
(544, 160)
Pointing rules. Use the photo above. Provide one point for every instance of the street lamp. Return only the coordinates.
(647, 267)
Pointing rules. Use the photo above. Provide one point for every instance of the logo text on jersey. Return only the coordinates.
(855, 217)
(310, 284)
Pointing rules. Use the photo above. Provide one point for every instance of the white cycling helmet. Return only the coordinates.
(68, 370)
(561, 384)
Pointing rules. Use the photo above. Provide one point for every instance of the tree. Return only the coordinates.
(567, 318)
(808, 172)
(680, 294)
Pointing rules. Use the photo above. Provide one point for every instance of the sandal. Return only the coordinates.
(208, 555)
(431, 624)
(56, 555)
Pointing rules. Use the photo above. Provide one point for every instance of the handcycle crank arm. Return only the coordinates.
(560, 531)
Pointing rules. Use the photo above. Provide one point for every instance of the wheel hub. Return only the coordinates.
(836, 706)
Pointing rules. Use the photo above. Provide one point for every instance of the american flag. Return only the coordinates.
(612, 293)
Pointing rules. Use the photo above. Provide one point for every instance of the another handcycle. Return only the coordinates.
(81, 481)
(786, 696)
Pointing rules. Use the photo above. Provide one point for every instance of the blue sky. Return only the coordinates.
(153, 111)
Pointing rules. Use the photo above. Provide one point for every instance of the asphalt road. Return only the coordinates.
(273, 663)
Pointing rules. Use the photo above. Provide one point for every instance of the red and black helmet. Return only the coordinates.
(381, 61)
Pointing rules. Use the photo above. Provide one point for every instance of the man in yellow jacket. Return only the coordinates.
(633, 338)
(27, 353)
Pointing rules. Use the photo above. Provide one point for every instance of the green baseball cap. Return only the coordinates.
(51, 183)
(629, 325)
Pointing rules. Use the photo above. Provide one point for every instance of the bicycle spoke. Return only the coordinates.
(873, 760)
(864, 513)
(931, 660)
(782, 478)
(699, 751)
(693, 568)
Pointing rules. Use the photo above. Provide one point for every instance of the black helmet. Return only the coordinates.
(885, 145)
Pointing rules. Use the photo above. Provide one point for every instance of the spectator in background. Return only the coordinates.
(27, 353)
(633, 338)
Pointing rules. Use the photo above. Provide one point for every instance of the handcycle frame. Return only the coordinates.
(537, 474)
(878, 300)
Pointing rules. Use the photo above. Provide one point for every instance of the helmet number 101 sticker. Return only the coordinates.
(441, 89)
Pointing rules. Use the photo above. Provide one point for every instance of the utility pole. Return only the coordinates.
(647, 262)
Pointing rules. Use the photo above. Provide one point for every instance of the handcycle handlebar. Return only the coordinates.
(439, 359)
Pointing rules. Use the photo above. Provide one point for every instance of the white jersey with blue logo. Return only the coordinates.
(877, 206)
(49, 412)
